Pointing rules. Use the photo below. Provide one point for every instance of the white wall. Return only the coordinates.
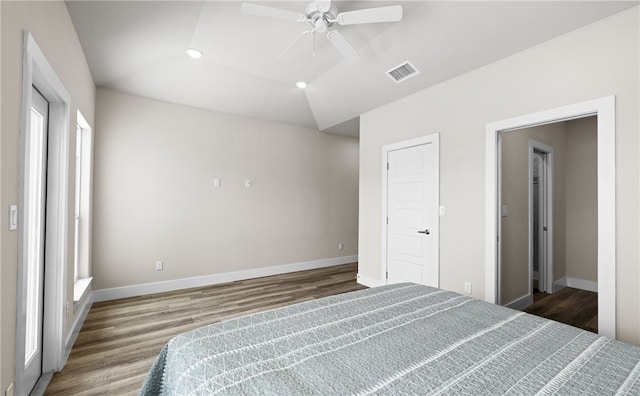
(593, 62)
(51, 26)
(154, 195)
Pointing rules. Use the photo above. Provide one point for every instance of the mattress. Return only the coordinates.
(392, 340)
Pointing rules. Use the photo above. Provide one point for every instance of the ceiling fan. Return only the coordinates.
(322, 15)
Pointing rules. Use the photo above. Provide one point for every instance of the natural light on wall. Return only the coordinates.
(81, 273)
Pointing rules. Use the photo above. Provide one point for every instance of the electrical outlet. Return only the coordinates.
(159, 265)
(340, 246)
(467, 287)
(9, 391)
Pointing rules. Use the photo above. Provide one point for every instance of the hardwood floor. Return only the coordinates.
(575, 307)
(120, 339)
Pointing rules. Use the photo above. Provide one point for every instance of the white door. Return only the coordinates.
(412, 214)
(35, 202)
(541, 206)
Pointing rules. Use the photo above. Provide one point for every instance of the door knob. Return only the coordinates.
(426, 231)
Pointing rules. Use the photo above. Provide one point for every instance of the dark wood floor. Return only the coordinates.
(575, 307)
(120, 339)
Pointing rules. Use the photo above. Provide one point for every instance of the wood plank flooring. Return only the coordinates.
(574, 307)
(120, 339)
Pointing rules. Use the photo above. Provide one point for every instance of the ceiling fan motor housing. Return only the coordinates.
(319, 20)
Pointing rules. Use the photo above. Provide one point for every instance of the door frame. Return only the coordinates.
(548, 180)
(38, 72)
(604, 108)
(435, 229)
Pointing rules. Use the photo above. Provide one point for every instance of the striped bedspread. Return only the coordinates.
(399, 339)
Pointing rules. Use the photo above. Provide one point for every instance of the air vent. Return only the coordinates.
(402, 72)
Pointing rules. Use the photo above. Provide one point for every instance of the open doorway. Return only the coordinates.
(549, 220)
(603, 247)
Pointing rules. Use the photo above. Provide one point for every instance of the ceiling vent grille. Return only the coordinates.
(403, 72)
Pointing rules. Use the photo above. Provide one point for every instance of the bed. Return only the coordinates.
(401, 339)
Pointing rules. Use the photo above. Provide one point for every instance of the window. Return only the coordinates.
(76, 253)
(82, 219)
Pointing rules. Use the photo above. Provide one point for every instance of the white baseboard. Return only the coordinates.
(214, 279)
(369, 282)
(559, 284)
(576, 283)
(521, 303)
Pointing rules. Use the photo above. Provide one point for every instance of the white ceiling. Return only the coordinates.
(139, 47)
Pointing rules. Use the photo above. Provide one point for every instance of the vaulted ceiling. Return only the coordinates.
(139, 47)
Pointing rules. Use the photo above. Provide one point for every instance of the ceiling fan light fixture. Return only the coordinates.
(322, 15)
(301, 84)
(194, 53)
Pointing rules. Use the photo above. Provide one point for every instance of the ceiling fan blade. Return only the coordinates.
(370, 15)
(343, 46)
(293, 42)
(260, 10)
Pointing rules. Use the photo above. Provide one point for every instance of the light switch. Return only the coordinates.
(441, 211)
(504, 211)
(216, 182)
(13, 217)
(247, 184)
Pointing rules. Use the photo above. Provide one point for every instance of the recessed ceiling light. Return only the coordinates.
(301, 84)
(194, 53)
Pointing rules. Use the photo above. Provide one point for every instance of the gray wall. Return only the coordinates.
(154, 194)
(582, 199)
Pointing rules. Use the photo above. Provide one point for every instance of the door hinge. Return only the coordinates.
(387, 220)
(387, 275)
(387, 166)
